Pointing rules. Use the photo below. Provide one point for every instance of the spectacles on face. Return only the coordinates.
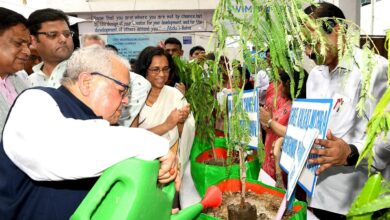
(126, 88)
(55, 34)
(156, 70)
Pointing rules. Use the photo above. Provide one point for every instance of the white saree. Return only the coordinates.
(151, 116)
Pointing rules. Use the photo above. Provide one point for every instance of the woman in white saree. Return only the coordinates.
(167, 113)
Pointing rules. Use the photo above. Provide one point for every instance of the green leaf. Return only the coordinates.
(369, 193)
(375, 205)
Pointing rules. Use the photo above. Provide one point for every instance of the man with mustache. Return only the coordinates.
(14, 54)
(339, 182)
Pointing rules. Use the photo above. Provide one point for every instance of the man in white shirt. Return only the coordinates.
(52, 38)
(57, 140)
(338, 181)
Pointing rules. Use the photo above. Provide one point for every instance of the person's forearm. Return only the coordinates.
(279, 129)
(161, 129)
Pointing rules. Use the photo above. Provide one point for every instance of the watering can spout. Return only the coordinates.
(212, 199)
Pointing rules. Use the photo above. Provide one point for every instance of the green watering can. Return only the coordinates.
(129, 190)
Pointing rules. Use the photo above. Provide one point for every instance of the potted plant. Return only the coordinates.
(211, 159)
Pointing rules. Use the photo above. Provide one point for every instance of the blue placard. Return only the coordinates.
(250, 102)
(306, 115)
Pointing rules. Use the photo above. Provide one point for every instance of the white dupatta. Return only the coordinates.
(151, 116)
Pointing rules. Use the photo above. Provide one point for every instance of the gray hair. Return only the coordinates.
(84, 37)
(90, 59)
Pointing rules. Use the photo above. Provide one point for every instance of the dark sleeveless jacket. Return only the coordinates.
(23, 198)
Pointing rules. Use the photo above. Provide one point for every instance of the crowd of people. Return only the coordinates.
(67, 115)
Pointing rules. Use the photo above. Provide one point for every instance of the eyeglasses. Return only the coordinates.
(55, 34)
(157, 70)
(125, 92)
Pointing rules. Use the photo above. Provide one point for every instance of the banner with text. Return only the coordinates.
(250, 102)
(307, 116)
(130, 45)
(148, 22)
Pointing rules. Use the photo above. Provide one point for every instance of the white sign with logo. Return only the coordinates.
(250, 102)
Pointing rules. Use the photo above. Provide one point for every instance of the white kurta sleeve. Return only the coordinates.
(47, 146)
(378, 87)
(382, 153)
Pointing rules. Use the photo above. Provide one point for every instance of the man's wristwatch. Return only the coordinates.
(353, 156)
